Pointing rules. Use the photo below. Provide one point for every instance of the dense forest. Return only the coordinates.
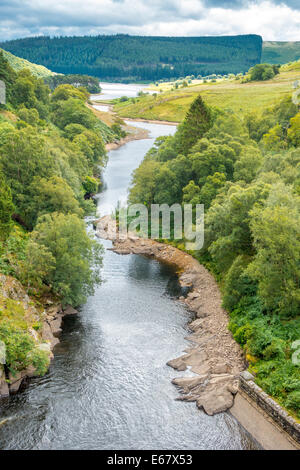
(245, 170)
(51, 155)
(134, 58)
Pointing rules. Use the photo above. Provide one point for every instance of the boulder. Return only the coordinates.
(55, 325)
(69, 310)
(47, 335)
(221, 368)
(188, 383)
(215, 401)
(177, 364)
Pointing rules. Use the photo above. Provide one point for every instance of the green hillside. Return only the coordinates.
(140, 58)
(280, 52)
(18, 64)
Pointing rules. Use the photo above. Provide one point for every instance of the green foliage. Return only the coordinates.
(263, 72)
(294, 131)
(196, 123)
(137, 58)
(90, 83)
(37, 266)
(17, 64)
(7, 75)
(18, 345)
(45, 172)
(6, 209)
(72, 111)
(90, 185)
(276, 263)
(65, 92)
(280, 52)
(249, 181)
(77, 257)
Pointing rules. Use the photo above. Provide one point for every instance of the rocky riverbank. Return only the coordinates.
(133, 133)
(50, 319)
(214, 357)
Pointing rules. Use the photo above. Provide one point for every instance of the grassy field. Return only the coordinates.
(226, 94)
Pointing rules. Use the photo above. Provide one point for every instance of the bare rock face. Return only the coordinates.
(15, 381)
(48, 336)
(55, 325)
(4, 390)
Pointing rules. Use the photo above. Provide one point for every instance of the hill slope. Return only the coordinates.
(242, 98)
(17, 64)
(124, 57)
(280, 52)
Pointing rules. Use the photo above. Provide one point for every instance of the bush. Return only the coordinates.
(293, 401)
(263, 72)
(18, 346)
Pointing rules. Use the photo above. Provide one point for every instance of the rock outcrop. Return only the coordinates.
(214, 357)
(22, 307)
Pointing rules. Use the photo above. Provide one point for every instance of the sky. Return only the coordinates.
(277, 20)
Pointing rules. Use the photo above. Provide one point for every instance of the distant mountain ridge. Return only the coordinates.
(280, 52)
(18, 64)
(138, 58)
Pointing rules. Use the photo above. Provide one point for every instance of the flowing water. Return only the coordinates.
(108, 386)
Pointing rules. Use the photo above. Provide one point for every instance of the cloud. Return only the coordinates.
(273, 19)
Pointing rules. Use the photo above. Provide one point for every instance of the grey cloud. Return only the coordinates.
(240, 4)
(55, 17)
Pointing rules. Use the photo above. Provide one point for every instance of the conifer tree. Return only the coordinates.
(196, 123)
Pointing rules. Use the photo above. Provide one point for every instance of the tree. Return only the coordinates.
(197, 122)
(77, 257)
(258, 125)
(294, 131)
(191, 193)
(72, 111)
(248, 164)
(6, 209)
(37, 265)
(65, 92)
(263, 72)
(276, 266)
(8, 76)
(52, 195)
(23, 157)
(72, 130)
(31, 116)
(211, 188)
(275, 139)
(228, 231)
(142, 189)
(167, 187)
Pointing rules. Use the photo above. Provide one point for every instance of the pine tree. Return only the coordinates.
(196, 123)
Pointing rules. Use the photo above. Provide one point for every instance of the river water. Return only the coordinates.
(108, 386)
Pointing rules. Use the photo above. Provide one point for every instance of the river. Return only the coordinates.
(108, 386)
